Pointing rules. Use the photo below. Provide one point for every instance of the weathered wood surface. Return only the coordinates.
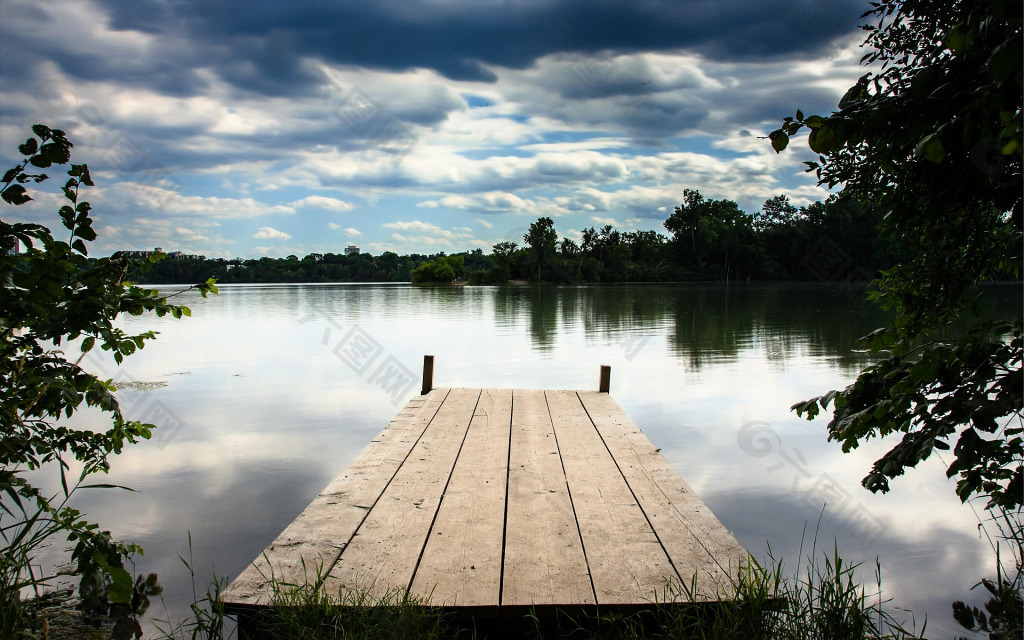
(488, 498)
(544, 560)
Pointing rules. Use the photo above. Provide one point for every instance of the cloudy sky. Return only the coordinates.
(243, 129)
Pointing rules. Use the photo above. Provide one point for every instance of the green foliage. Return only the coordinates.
(54, 294)
(442, 269)
(968, 385)
(933, 139)
(1005, 612)
(949, 180)
(1005, 605)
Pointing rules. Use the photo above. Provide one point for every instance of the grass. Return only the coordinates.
(822, 600)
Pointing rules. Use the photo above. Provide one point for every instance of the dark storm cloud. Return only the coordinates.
(225, 97)
(259, 46)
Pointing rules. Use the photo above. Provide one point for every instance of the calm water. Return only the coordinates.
(271, 390)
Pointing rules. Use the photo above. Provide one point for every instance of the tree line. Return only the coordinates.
(706, 240)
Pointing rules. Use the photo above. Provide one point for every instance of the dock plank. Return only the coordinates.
(382, 556)
(461, 564)
(695, 539)
(626, 560)
(504, 498)
(316, 538)
(544, 561)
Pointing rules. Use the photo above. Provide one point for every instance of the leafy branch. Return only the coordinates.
(52, 294)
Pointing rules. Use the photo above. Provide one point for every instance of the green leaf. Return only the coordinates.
(40, 161)
(28, 148)
(87, 344)
(799, 115)
(959, 41)
(15, 194)
(67, 216)
(930, 147)
(814, 122)
(1005, 61)
(56, 153)
(779, 140)
(42, 131)
(120, 589)
(105, 486)
(822, 139)
(81, 171)
(79, 246)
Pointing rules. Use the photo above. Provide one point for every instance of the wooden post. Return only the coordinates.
(428, 375)
(606, 378)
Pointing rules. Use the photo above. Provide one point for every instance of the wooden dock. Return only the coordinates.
(497, 499)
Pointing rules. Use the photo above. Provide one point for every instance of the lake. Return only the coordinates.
(268, 391)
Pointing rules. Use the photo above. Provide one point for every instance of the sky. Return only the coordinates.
(249, 129)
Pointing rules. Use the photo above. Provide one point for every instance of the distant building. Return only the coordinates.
(16, 249)
(351, 250)
(178, 255)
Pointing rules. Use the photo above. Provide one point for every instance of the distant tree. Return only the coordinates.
(685, 225)
(715, 229)
(776, 212)
(503, 253)
(645, 245)
(542, 240)
(568, 248)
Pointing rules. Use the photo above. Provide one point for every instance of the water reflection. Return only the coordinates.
(706, 323)
(275, 403)
(948, 556)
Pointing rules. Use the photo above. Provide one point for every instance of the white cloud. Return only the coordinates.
(352, 232)
(429, 241)
(322, 202)
(270, 233)
(483, 223)
(142, 197)
(417, 236)
(414, 225)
